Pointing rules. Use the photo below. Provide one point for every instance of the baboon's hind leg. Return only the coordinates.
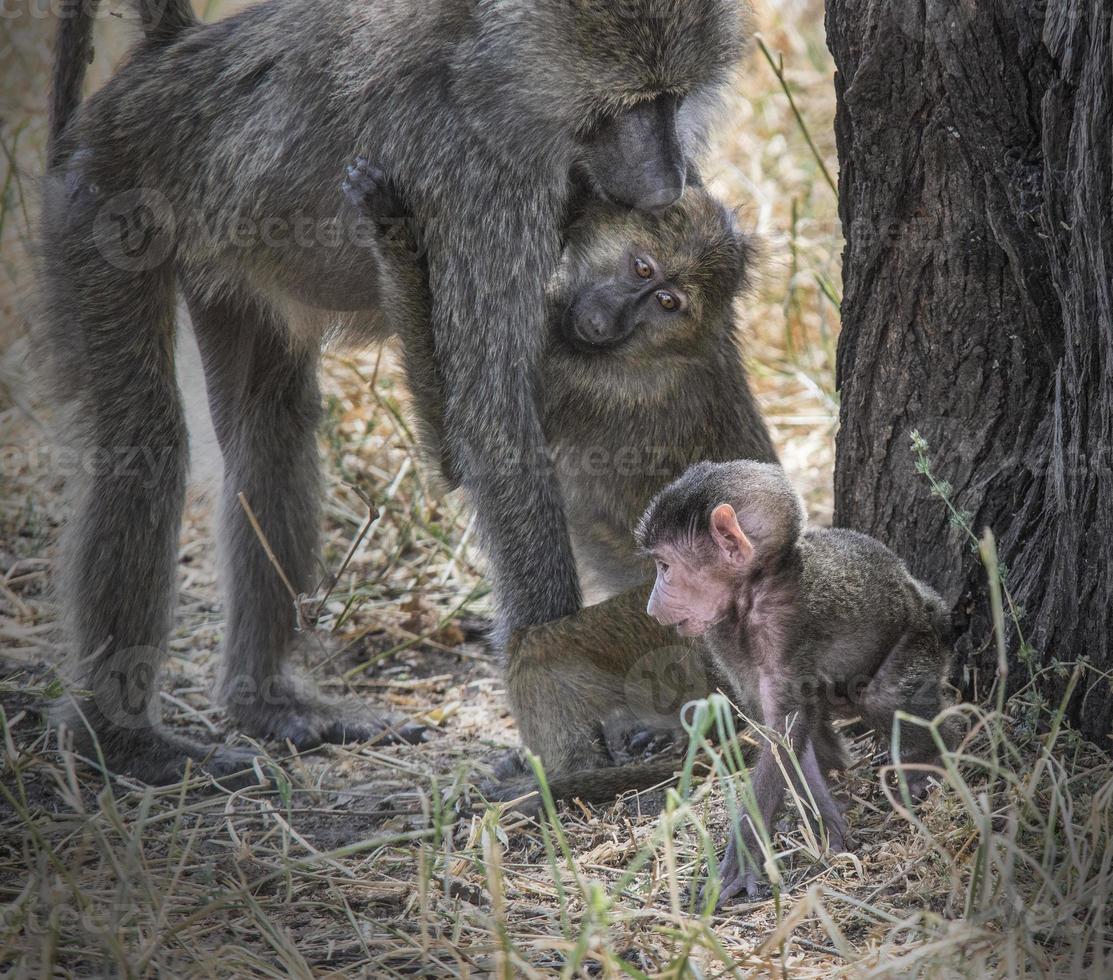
(911, 679)
(109, 318)
(265, 402)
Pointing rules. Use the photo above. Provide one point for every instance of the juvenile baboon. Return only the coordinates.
(209, 162)
(642, 376)
(821, 624)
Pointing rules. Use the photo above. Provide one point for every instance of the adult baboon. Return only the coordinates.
(209, 163)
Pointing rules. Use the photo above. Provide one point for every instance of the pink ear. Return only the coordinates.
(730, 538)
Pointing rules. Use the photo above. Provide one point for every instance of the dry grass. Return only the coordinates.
(368, 860)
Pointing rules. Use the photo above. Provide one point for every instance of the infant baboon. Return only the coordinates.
(642, 376)
(819, 624)
(207, 166)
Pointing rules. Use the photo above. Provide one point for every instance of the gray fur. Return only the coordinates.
(210, 160)
(825, 624)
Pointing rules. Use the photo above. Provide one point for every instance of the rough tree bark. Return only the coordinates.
(976, 150)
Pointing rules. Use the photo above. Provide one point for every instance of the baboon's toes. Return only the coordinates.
(651, 742)
(511, 765)
(476, 629)
(413, 733)
(837, 839)
(302, 731)
(161, 759)
(746, 883)
(919, 785)
(635, 744)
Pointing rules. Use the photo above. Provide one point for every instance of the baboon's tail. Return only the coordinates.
(163, 20)
(73, 50)
(591, 785)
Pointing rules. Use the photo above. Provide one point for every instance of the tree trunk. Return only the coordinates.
(975, 142)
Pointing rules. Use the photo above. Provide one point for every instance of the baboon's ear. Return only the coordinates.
(745, 253)
(732, 542)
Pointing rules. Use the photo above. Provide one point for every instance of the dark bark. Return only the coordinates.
(975, 143)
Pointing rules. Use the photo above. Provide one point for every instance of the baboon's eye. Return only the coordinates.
(662, 566)
(643, 268)
(668, 301)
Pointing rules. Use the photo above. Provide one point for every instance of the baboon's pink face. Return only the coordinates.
(691, 592)
(698, 577)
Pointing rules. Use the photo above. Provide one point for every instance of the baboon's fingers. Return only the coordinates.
(308, 726)
(649, 742)
(382, 731)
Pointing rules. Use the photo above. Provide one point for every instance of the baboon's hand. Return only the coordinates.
(368, 188)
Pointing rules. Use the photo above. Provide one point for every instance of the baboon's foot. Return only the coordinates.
(636, 743)
(511, 765)
(157, 757)
(476, 629)
(738, 878)
(919, 779)
(919, 784)
(838, 837)
(513, 778)
(293, 712)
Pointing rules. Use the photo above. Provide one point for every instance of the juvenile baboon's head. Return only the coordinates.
(650, 289)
